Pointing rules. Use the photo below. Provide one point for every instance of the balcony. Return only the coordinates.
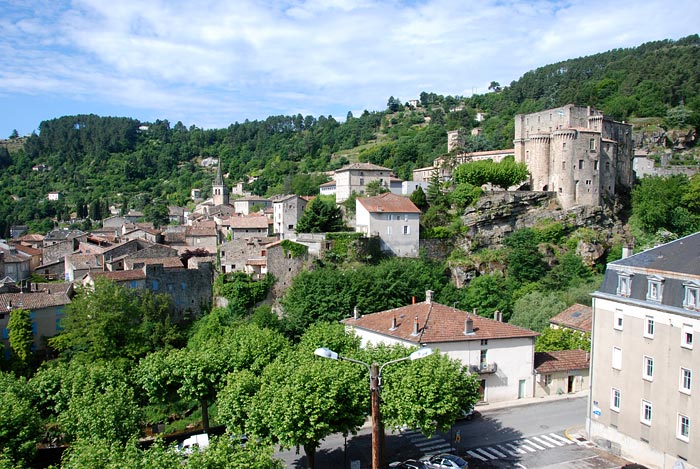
(483, 368)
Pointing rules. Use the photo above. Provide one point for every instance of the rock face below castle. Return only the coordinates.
(576, 152)
(495, 216)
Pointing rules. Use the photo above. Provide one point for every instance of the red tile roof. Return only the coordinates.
(561, 360)
(436, 323)
(363, 167)
(32, 301)
(251, 221)
(388, 203)
(576, 316)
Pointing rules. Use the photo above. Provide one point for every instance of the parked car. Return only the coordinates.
(198, 442)
(408, 464)
(468, 414)
(444, 461)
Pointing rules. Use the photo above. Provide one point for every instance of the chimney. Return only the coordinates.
(413, 300)
(498, 316)
(393, 324)
(474, 311)
(429, 296)
(469, 326)
(355, 313)
(415, 326)
(627, 251)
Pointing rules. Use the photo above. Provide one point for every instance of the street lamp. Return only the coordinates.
(375, 384)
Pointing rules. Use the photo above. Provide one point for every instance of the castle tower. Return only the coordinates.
(218, 188)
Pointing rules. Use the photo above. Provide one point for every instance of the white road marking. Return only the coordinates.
(542, 441)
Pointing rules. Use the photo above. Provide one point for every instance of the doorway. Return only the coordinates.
(521, 389)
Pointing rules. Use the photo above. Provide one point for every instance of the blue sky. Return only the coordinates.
(213, 63)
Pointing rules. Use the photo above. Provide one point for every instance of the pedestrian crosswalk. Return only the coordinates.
(435, 444)
(519, 447)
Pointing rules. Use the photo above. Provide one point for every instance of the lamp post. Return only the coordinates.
(375, 384)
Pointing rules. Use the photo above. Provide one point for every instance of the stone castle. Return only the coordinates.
(576, 152)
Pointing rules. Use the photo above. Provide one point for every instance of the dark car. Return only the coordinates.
(444, 461)
(408, 464)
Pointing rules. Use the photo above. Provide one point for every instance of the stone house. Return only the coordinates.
(576, 152)
(284, 265)
(645, 395)
(14, 263)
(502, 355)
(394, 219)
(286, 212)
(246, 226)
(235, 254)
(249, 204)
(45, 302)
(355, 177)
(190, 289)
(202, 236)
(561, 372)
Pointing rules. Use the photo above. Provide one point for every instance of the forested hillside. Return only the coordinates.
(98, 161)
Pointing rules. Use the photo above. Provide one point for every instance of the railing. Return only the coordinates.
(483, 368)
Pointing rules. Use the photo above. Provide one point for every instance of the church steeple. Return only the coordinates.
(218, 188)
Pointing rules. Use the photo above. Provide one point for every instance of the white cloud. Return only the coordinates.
(224, 61)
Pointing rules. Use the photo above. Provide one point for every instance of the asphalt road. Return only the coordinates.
(529, 436)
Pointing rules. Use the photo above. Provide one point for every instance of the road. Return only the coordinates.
(530, 436)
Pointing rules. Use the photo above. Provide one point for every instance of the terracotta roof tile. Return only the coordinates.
(388, 203)
(436, 323)
(561, 360)
(363, 167)
(32, 301)
(576, 316)
(252, 221)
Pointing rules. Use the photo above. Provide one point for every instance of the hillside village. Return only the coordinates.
(581, 166)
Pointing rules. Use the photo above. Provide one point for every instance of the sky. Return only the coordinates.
(210, 64)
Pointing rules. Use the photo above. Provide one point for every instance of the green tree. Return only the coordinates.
(375, 188)
(464, 195)
(20, 335)
(654, 199)
(562, 339)
(419, 198)
(535, 309)
(157, 213)
(525, 263)
(428, 394)
(113, 321)
(302, 399)
(14, 134)
(488, 293)
(20, 424)
(96, 400)
(320, 216)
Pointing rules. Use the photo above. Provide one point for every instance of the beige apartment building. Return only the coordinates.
(644, 402)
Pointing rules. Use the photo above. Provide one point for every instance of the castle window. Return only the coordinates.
(580, 164)
(563, 146)
(588, 182)
(595, 165)
(563, 165)
(591, 144)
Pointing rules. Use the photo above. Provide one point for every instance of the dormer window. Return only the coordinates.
(624, 283)
(691, 299)
(655, 288)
